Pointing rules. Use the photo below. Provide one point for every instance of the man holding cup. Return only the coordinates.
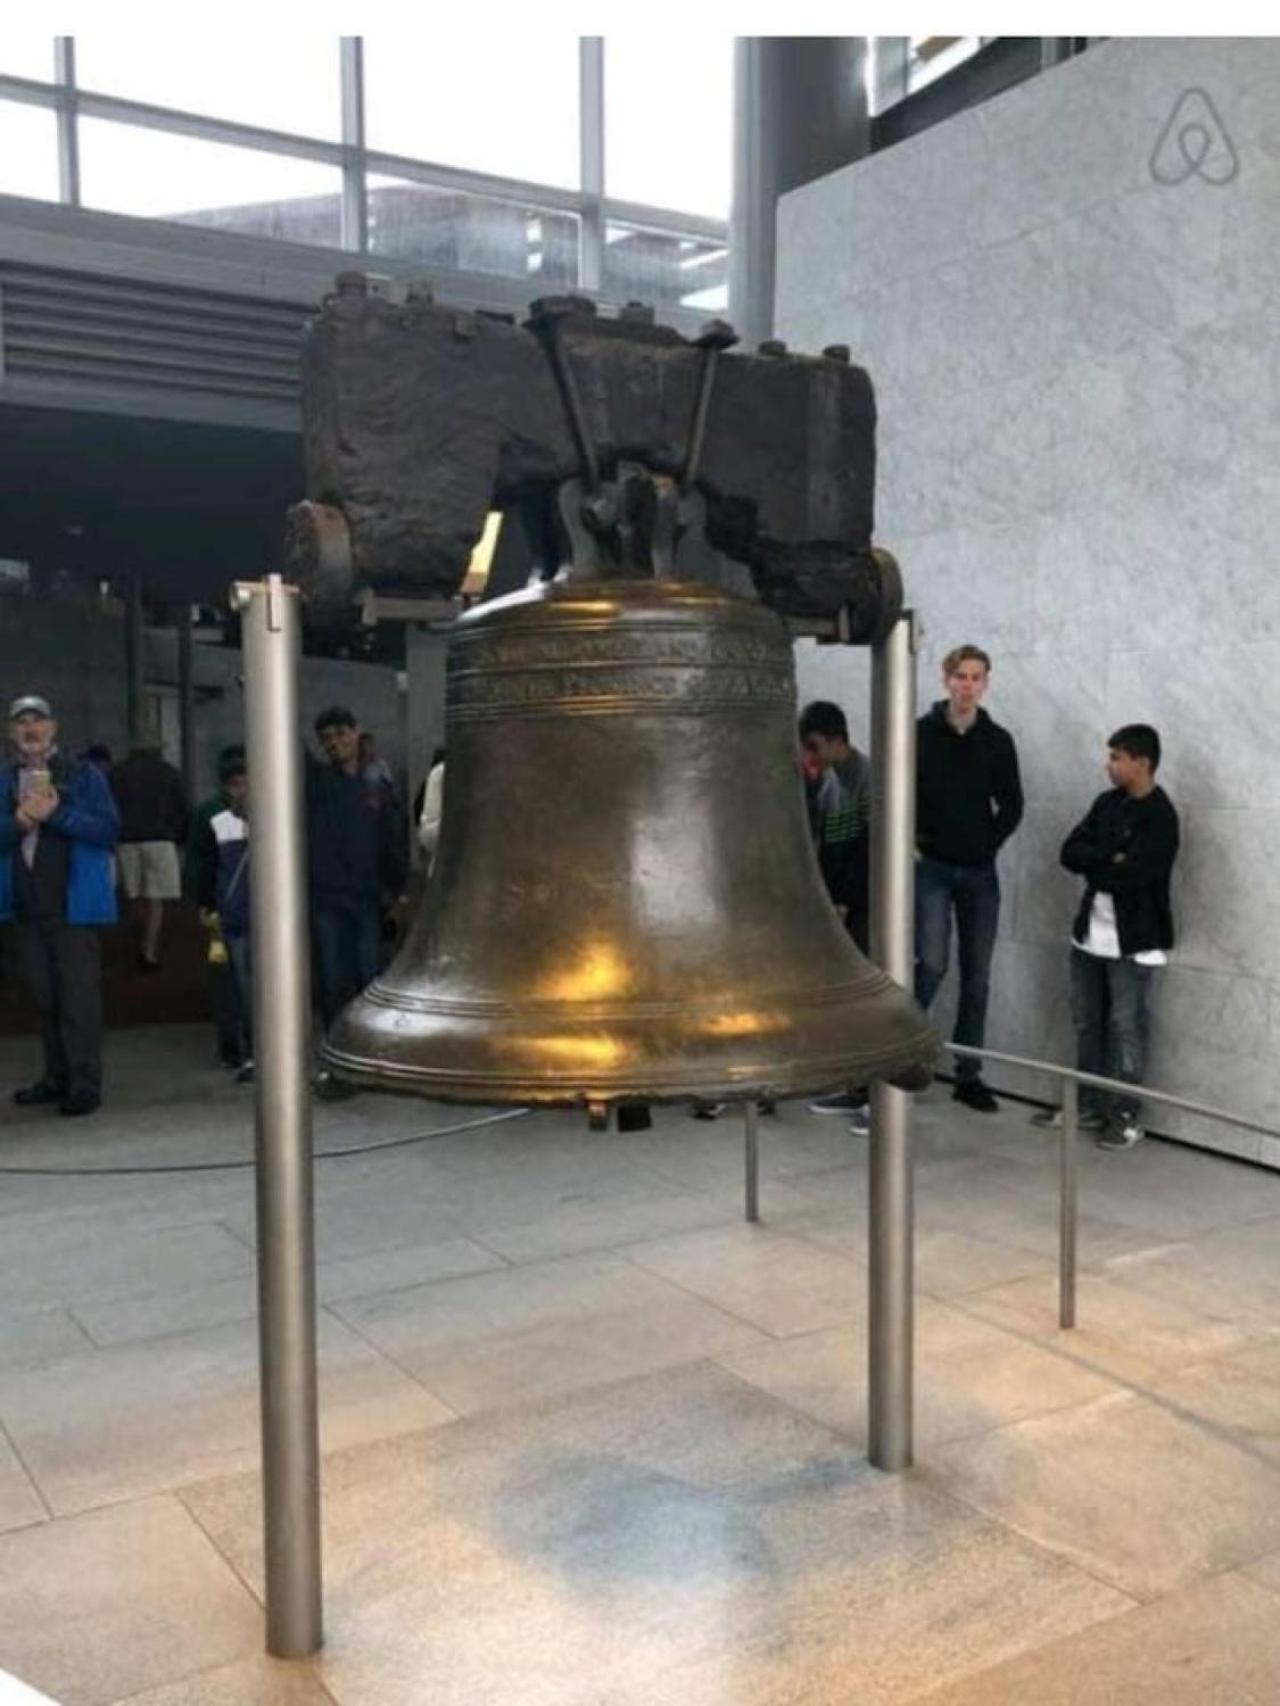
(58, 825)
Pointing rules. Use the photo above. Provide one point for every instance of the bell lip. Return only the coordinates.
(914, 1061)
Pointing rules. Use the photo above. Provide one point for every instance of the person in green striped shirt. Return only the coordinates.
(840, 819)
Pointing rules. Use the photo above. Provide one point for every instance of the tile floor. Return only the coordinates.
(591, 1440)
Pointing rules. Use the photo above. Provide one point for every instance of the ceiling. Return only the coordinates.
(190, 506)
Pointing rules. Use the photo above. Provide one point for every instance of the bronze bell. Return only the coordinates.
(625, 904)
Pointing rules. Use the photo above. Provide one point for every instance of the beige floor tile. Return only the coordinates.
(1266, 1571)
(1232, 1275)
(576, 1228)
(20, 1504)
(780, 1284)
(49, 1266)
(248, 1682)
(675, 1537)
(973, 1202)
(1126, 1489)
(947, 1263)
(969, 1377)
(1214, 1644)
(1177, 1192)
(38, 1335)
(98, 1607)
(1240, 1395)
(131, 1319)
(497, 1339)
(1121, 1331)
(118, 1423)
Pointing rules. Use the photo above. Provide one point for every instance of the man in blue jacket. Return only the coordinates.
(58, 825)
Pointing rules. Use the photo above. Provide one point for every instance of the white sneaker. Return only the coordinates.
(1050, 1119)
(1122, 1137)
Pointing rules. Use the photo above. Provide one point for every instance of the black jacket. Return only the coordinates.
(1126, 848)
(357, 841)
(969, 793)
(151, 798)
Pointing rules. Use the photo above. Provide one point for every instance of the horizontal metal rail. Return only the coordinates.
(1095, 1082)
(1072, 1080)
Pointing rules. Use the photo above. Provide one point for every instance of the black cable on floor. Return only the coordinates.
(237, 1166)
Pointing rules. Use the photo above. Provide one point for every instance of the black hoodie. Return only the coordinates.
(969, 793)
(1126, 848)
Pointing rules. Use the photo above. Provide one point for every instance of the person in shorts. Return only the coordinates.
(152, 803)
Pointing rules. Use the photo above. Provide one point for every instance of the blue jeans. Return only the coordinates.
(347, 938)
(973, 892)
(1111, 1010)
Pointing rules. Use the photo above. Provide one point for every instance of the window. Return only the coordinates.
(26, 54)
(668, 121)
(494, 104)
(450, 231)
(665, 270)
(931, 57)
(125, 169)
(291, 83)
(28, 151)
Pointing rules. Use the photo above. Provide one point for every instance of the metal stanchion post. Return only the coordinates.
(282, 1016)
(751, 1120)
(890, 1313)
(1067, 1203)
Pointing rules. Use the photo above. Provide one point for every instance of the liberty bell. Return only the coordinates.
(625, 904)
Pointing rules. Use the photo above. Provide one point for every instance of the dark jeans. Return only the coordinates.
(62, 964)
(241, 969)
(347, 937)
(973, 892)
(226, 1014)
(1111, 1009)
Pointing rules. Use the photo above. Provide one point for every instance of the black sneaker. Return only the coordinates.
(78, 1102)
(767, 1105)
(707, 1110)
(330, 1089)
(38, 1095)
(634, 1116)
(843, 1103)
(974, 1094)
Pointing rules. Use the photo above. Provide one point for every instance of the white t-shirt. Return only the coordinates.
(1103, 938)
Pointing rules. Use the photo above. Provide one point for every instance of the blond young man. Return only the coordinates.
(969, 802)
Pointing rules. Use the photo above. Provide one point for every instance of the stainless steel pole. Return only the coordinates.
(890, 1329)
(751, 1118)
(1067, 1203)
(282, 1017)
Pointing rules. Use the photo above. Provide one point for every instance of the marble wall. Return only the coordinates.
(1078, 372)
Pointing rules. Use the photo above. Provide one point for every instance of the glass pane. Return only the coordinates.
(280, 82)
(668, 121)
(28, 152)
(26, 53)
(932, 57)
(153, 174)
(508, 107)
(452, 232)
(665, 271)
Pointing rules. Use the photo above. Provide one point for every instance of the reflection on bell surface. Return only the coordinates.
(625, 903)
